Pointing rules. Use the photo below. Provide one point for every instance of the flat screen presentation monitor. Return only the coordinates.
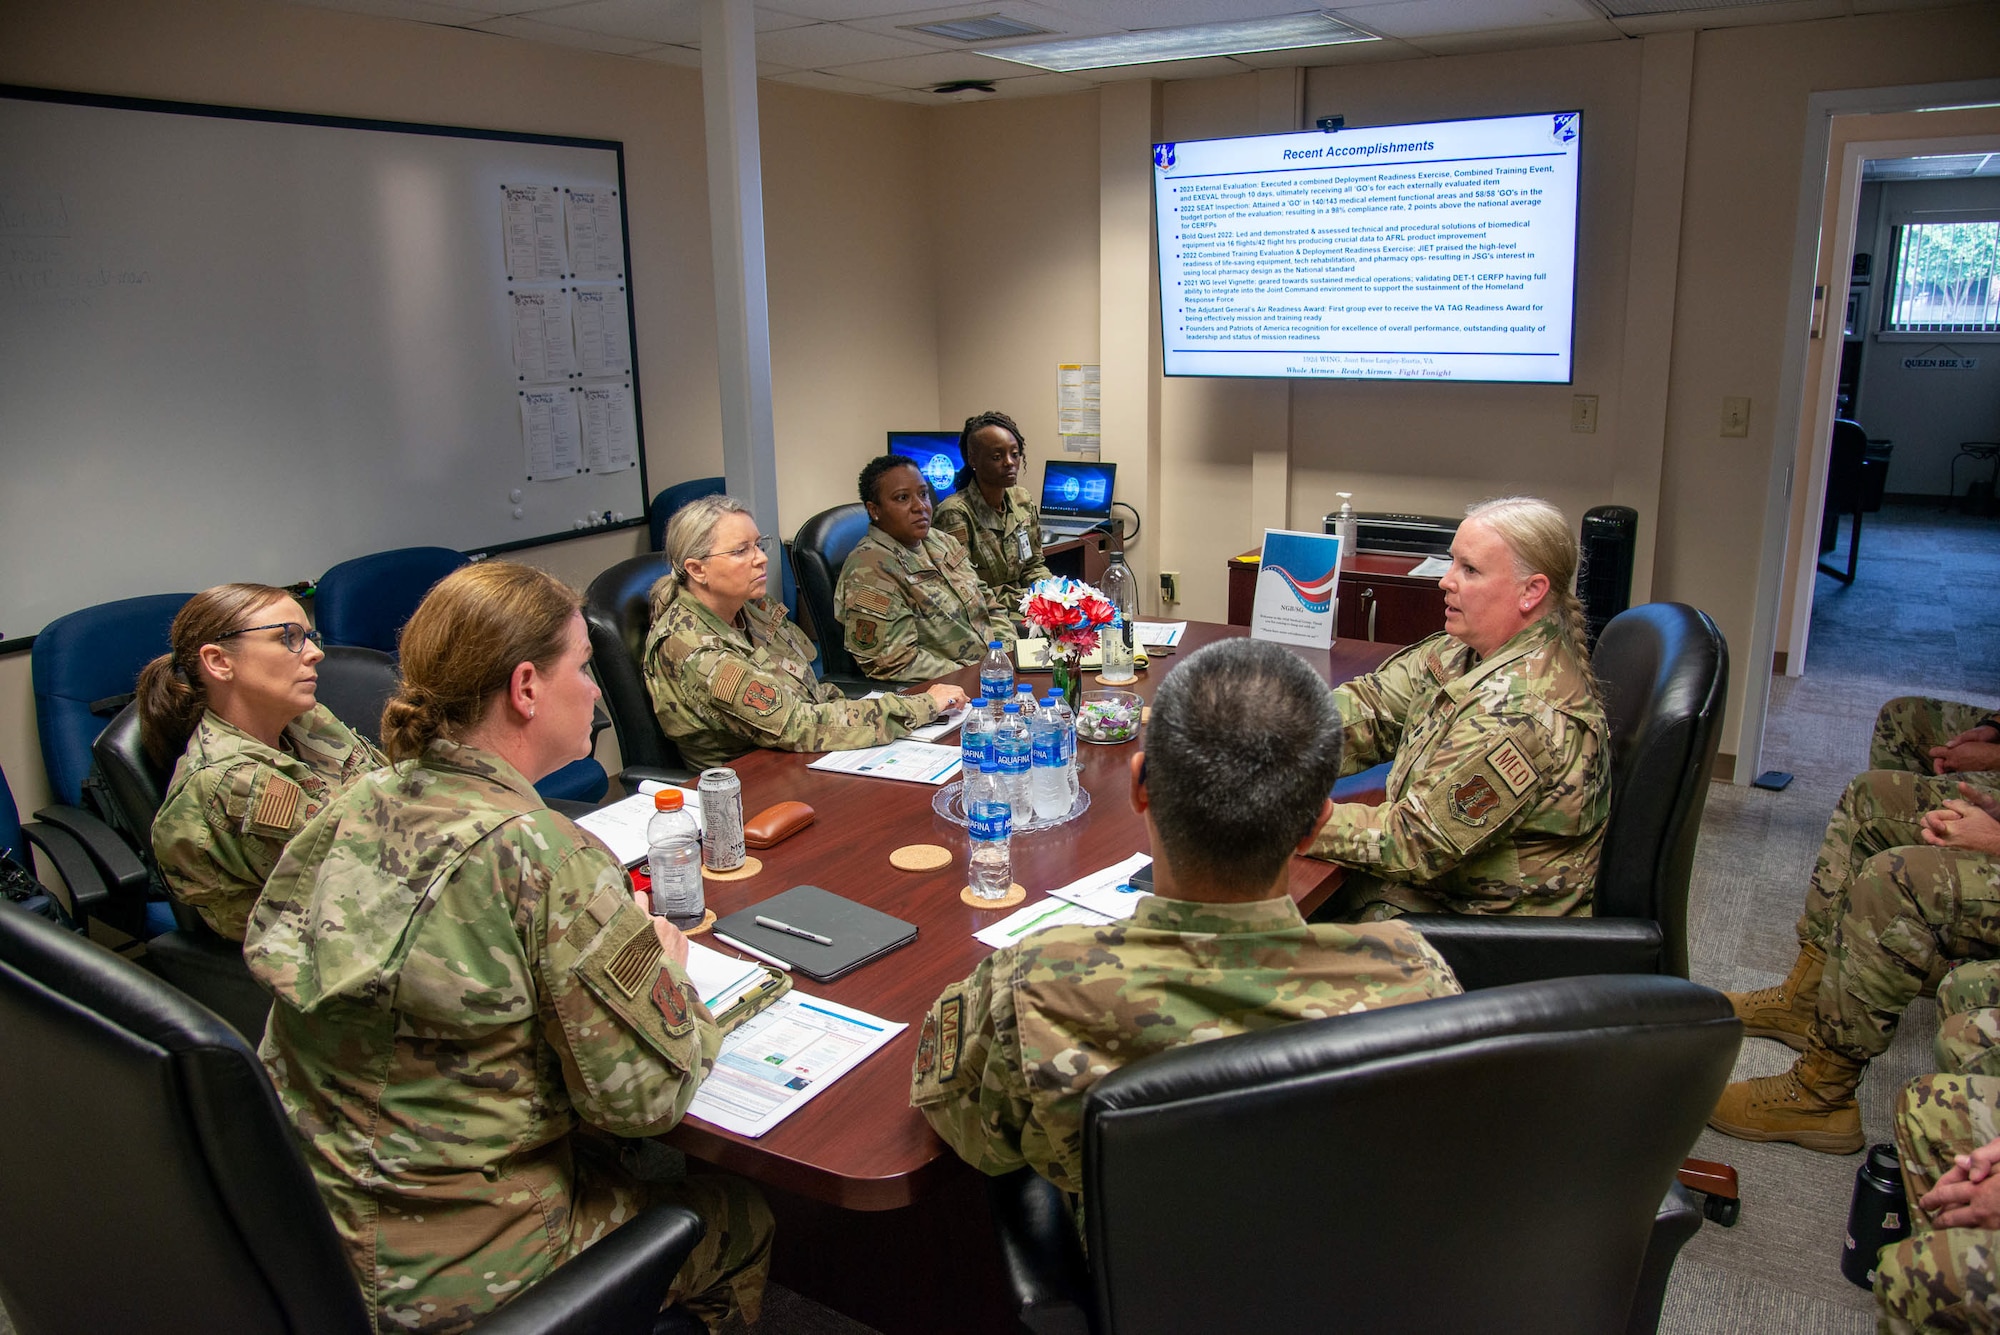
(1444, 251)
(935, 453)
(1077, 490)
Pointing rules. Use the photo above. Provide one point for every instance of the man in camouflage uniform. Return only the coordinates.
(998, 523)
(1922, 750)
(913, 613)
(234, 802)
(721, 690)
(1943, 1276)
(465, 986)
(1904, 915)
(1005, 1057)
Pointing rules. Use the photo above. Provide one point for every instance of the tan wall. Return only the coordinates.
(848, 237)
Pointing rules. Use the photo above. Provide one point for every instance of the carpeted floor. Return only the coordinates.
(1917, 620)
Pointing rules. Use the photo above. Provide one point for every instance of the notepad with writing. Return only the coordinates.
(859, 933)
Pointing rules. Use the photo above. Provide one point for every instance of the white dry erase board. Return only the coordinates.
(247, 345)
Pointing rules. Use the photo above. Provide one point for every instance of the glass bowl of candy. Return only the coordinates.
(1108, 716)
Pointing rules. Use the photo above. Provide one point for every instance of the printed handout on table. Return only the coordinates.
(549, 434)
(936, 728)
(543, 348)
(596, 242)
(1108, 892)
(531, 229)
(912, 762)
(779, 1060)
(609, 435)
(1159, 634)
(1031, 918)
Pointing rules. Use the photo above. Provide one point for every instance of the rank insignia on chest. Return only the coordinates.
(673, 1004)
(1473, 801)
(760, 696)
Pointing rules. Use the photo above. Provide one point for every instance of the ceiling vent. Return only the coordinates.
(984, 28)
(965, 90)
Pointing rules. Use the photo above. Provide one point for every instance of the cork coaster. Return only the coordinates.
(1007, 901)
(707, 921)
(751, 866)
(920, 857)
(1103, 680)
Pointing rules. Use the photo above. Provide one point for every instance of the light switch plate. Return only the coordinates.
(1736, 415)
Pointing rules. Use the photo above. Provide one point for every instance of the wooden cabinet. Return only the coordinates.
(1083, 558)
(1379, 599)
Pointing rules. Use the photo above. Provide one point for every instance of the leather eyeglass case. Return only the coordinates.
(775, 824)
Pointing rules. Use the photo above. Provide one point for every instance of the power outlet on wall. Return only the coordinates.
(1170, 587)
(1583, 412)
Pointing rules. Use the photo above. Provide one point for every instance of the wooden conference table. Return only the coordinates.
(859, 1145)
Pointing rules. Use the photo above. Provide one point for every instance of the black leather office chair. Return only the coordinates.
(354, 683)
(672, 499)
(618, 611)
(181, 1201)
(1848, 470)
(1664, 668)
(818, 551)
(1491, 1162)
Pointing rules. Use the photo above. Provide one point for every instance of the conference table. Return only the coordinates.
(858, 1146)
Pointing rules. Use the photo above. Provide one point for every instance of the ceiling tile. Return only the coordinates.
(844, 11)
(417, 11)
(1432, 18)
(834, 83)
(1793, 11)
(934, 68)
(1514, 39)
(827, 44)
(1132, 14)
(674, 55)
(1202, 67)
(1058, 23)
(771, 20)
(1343, 53)
(1040, 85)
(534, 31)
(676, 21)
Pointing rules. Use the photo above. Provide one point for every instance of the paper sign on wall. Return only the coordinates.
(1295, 587)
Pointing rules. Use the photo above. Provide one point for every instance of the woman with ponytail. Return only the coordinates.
(1499, 783)
(461, 978)
(233, 708)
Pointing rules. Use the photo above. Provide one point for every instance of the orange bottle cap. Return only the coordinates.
(667, 799)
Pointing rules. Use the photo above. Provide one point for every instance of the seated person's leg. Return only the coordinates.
(1908, 727)
(1968, 1039)
(1939, 1278)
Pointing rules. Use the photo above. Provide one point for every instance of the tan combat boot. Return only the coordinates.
(1812, 1105)
(1784, 1012)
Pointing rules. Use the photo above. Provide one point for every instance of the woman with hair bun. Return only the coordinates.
(233, 708)
(1500, 782)
(998, 523)
(462, 979)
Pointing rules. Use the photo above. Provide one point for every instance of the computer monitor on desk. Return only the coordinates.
(936, 455)
(1076, 497)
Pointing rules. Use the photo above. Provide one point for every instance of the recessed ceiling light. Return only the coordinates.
(1285, 33)
(984, 28)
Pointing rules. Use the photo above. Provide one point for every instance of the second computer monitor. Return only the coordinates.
(1077, 491)
(936, 455)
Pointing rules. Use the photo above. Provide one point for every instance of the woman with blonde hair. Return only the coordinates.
(728, 672)
(1499, 780)
(463, 978)
(233, 707)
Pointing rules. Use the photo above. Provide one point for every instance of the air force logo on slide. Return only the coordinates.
(1564, 128)
(1163, 156)
(939, 471)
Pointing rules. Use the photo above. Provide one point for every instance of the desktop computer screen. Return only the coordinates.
(936, 455)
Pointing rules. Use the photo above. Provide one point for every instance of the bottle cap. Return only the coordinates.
(667, 799)
(1024, 688)
(1011, 707)
(993, 644)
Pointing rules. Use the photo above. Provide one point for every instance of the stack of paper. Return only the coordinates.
(913, 762)
(721, 979)
(622, 825)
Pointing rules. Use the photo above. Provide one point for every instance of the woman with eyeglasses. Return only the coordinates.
(729, 673)
(233, 707)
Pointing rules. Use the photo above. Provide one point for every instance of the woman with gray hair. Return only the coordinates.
(729, 672)
(1499, 780)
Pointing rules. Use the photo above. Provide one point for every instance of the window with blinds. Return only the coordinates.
(1945, 279)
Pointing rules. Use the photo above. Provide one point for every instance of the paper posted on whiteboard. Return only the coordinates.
(1295, 587)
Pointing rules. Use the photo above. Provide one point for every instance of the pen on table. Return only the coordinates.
(790, 930)
(752, 951)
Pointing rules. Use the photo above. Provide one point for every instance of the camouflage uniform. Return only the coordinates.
(234, 802)
(1968, 1037)
(1910, 725)
(721, 691)
(1006, 548)
(1905, 912)
(1498, 789)
(914, 615)
(1006, 1056)
(462, 980)
(1940, 1278)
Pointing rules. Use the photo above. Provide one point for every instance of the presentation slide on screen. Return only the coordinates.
(1424, 252)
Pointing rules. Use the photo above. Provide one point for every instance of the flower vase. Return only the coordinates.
(1066, 665)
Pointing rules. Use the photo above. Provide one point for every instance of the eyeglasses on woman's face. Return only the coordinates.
(293, 635)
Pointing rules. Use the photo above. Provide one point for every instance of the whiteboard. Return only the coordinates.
(242, 345)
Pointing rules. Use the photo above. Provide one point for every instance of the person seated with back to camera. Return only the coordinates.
(471, 1004)
(1005, 1057)
(233, 707)
(728, 672)
(998, 523)
(910, 605)
(1499, 780)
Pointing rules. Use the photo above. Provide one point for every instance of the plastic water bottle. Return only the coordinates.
(1048, 780)
(1346, 528)
(990, 825)
(673, 858)
(1024, 696)
(1013, 751)
(1121, 590)
(1056, 708)
(975, 746)
(996, 673)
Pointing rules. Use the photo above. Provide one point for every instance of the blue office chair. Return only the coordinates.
(819, 550)
(672, 499)
(366, 601)
(65, 852)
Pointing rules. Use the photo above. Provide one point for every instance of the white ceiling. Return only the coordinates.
(864, 47)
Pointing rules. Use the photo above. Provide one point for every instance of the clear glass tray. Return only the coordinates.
(946, 803)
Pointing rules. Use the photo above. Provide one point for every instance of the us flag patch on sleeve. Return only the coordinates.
(278, 808)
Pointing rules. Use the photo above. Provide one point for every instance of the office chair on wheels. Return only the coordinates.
(819, 550)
